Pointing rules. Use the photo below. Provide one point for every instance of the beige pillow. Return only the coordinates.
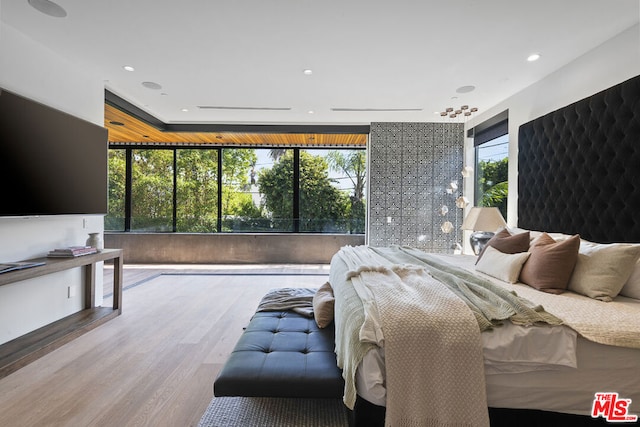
(505, 267)
(551, 263)
(603, 269)
(507, 243)
(323, 303)
(631, 289)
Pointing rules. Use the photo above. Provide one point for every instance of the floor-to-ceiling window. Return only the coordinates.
(492, 165)
(235, 189)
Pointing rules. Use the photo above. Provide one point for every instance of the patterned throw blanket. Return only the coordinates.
(428, 318)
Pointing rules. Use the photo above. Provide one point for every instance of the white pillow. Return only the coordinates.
(631, 289)
(505, 267)
(603, 269)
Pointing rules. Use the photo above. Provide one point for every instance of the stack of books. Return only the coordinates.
(72, 251)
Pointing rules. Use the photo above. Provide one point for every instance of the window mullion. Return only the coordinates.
(219, 222)
(296, 190)
(128, 189)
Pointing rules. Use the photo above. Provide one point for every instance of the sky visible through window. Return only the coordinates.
(494, 150)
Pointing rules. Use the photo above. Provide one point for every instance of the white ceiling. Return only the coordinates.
(364, 54)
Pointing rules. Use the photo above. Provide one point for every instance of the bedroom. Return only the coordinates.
(81, 92)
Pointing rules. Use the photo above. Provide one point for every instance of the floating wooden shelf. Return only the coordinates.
(23, 350)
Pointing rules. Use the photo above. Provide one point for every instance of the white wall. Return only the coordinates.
(35, 72)
(613, 62)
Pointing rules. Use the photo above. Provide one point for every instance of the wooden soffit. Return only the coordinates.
(128, 128)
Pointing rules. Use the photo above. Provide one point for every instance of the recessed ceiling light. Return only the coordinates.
(465, 89)
(151, 85)
(48, 8)
(533, 57)
(310, 112)
(184, 110)
(307, 72)
(129, 68)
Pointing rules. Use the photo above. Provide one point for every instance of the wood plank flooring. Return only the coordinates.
(155, 364)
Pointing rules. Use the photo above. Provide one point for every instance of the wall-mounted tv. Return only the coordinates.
(51, 162)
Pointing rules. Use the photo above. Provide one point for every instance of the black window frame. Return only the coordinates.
(129, 148)
(489, 130)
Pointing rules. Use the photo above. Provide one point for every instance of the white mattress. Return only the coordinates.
(534, 373)
(507, 349)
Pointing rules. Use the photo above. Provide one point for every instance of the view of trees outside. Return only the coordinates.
(242, 209)
(117, 164)
(256, 193)
(492, 174)
(197, 190)
(352, 164)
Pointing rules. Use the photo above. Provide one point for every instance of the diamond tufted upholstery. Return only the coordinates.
(282, 354)
(579, 167)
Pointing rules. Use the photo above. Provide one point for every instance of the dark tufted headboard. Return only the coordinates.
(579, 167)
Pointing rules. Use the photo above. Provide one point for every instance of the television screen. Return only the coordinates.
(52, 163)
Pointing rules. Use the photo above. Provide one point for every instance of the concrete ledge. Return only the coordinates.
(185, 248)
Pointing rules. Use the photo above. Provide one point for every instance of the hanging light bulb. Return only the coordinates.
(462, 202)
(466, 171)
(446, 227)
(444, 210)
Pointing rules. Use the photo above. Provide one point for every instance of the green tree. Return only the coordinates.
(152, 190)
(492, 184)
(114, 221)
(276, 153)
(197, 190)
(353, 164)
(238, 209)
(322, 205)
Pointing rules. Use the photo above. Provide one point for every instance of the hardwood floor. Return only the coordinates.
(155, 364)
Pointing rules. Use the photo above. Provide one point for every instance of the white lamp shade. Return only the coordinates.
(483, 219)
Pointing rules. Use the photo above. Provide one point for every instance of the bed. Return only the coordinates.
(578, 182)
(548, 365)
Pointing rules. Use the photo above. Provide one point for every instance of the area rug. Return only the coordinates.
(274, 412)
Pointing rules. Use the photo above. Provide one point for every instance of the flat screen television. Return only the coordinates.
(51, 162)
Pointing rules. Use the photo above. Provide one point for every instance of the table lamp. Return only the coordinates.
(480, 220)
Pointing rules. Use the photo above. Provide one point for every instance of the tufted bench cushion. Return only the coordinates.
(282, 354)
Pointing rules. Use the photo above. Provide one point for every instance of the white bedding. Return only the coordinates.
(550, 368)
(508, 349)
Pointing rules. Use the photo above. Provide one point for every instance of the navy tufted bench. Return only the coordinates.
(282, 354)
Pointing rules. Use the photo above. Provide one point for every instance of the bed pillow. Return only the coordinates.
(323, 304)
(505, 267)
(507, 243)
(550, 264)
(603, 269)
(631, 289)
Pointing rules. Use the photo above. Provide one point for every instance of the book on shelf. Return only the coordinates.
(5, 267)
(72, 251)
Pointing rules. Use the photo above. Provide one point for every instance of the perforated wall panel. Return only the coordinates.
(579, 167)
(411, 166)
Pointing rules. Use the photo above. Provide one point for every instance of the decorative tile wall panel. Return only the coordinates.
(411, 167)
